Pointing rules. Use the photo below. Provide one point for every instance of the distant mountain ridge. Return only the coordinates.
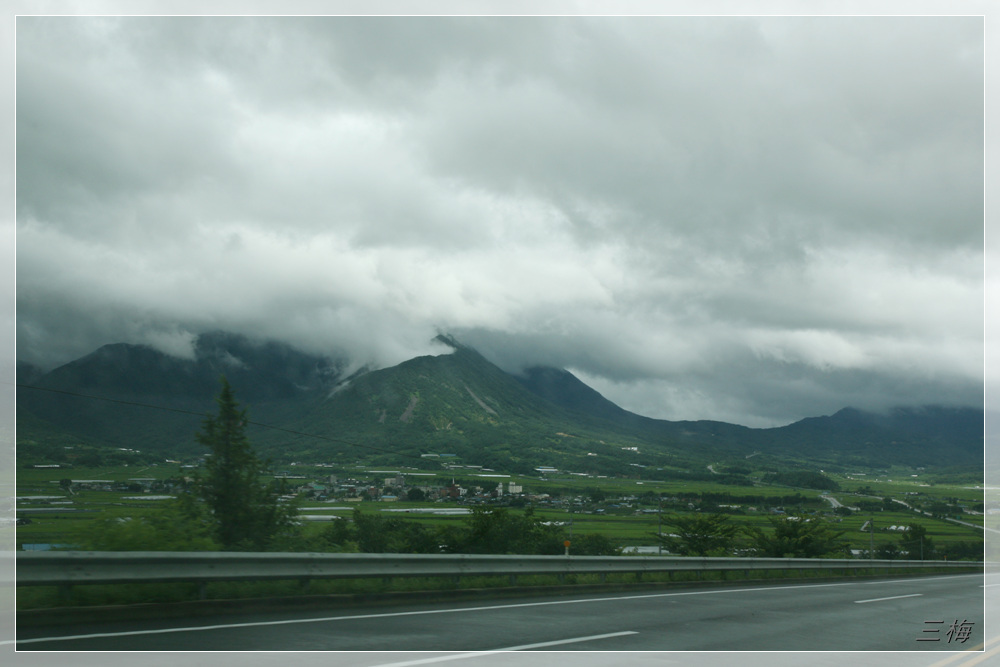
(271, 376)
(264, 370)
(457, 403)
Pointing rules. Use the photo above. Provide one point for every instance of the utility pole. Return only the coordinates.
(871, 538)
(569, 541)
(659, 528)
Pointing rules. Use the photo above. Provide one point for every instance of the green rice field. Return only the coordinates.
(61, 516)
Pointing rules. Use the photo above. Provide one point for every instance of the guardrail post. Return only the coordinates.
(64, 592)
(202, 590)
(513, 580)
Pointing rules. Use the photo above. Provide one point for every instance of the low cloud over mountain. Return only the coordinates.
(739, 218)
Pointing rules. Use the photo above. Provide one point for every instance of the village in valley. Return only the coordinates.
(55, 504)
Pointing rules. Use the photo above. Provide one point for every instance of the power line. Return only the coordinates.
(113, 400)
(206, 415)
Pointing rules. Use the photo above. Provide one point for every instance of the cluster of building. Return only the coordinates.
(399, 486)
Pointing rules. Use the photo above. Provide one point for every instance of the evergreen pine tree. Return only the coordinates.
(245, 513)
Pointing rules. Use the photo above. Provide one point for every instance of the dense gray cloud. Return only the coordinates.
(748, 219)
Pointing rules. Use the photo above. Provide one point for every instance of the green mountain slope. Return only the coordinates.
(924, 436)
(451, 408)
(459, 404)
(276, 380)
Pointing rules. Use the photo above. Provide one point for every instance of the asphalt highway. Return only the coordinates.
(928, 613)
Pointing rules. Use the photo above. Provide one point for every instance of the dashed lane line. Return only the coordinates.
(423, 612)
(523, 647)
(459, 610)
(894, 597)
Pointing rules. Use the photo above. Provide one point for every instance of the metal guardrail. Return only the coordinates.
(71, 568)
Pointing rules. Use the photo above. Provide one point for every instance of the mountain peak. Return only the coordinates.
(450, 341)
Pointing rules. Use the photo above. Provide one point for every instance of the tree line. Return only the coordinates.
(789, 537)
(796, 537)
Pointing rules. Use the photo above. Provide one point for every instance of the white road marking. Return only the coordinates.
(908, 580)
(894, 597)
(523, 647)
(421, 613)
(454, 610)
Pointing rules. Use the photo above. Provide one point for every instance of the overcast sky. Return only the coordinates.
(754, 220)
